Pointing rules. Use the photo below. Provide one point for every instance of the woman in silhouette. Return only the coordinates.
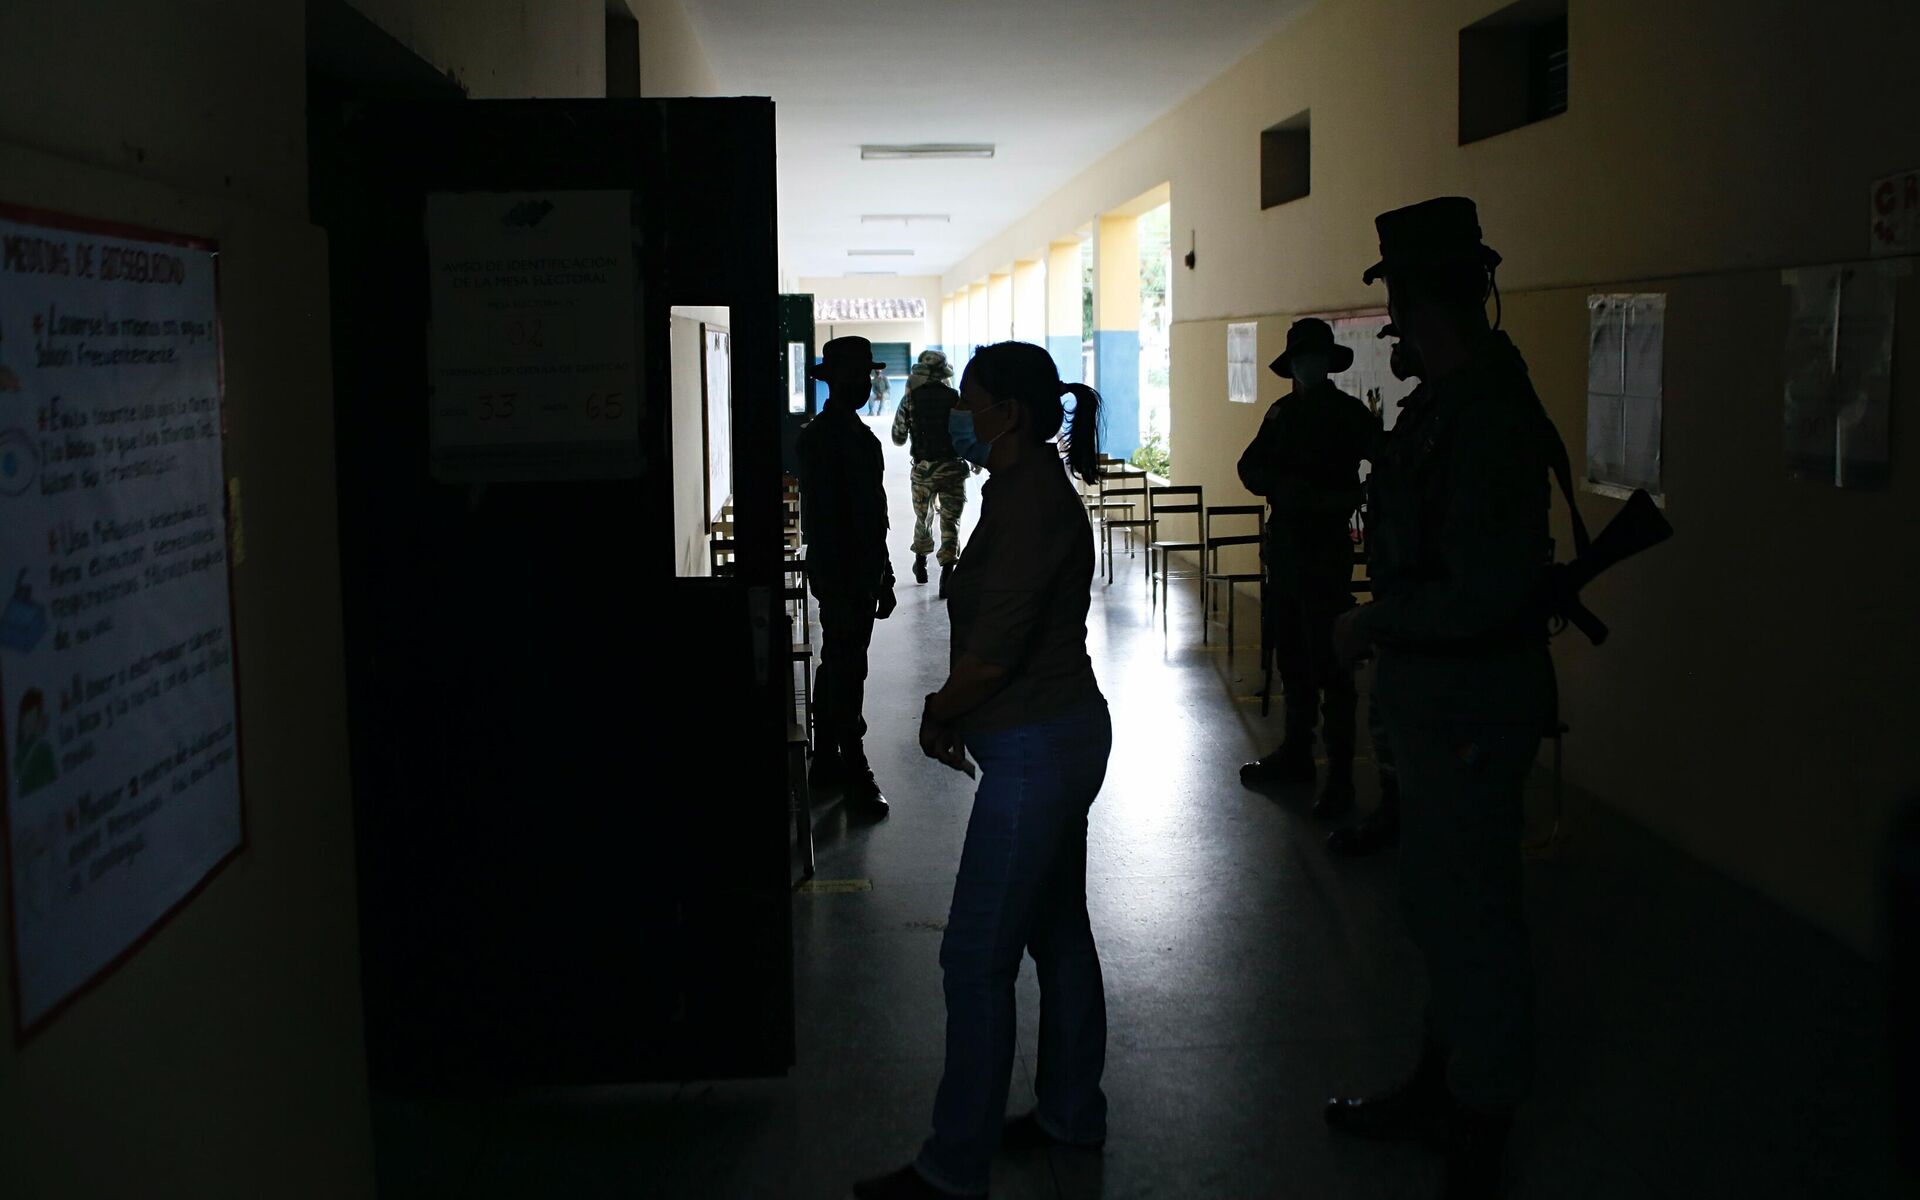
(1021, 698)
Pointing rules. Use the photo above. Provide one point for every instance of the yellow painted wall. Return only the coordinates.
(920, 334)
(1116, 274)
(1063, 289)
(1754, 703)
(1000, 306)
(506, 48)
(672, 60)
(1030, 301)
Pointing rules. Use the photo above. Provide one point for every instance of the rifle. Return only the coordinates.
(1636, 527)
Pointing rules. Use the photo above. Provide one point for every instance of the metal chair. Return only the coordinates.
(1231, 579)
(1126, 488)
(1167, 501)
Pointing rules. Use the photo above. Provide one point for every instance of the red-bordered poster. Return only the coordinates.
(119, 719)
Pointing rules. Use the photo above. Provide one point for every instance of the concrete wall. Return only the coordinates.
(225, 1058)
(1751, 704)
(506, 48)
(672, 60)
(919, 334)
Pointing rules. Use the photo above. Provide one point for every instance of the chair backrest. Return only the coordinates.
(1166, 498)
(1216, 511)
(1172, 500)
(1126, 481)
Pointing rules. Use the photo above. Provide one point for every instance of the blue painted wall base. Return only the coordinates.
(1116, 356)
(1066, 358)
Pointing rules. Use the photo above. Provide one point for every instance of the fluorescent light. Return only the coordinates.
(905, 218)
(879, 254)
(930, 150)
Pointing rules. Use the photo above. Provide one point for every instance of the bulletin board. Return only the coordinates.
(120, 795)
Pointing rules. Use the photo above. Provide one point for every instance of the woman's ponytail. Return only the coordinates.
(1083, 432)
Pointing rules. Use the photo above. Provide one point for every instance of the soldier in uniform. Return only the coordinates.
(1380, 828)
(1306, 462)
(1459, 545)
(843, 511)
(939, 473)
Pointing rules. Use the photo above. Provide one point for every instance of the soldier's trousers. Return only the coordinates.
(943, 484)
(840, 686)
(1462, 779)
(1309, 675)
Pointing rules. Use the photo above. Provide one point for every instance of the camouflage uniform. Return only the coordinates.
(938, 473)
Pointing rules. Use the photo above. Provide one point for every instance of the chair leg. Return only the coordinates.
(1229, 584)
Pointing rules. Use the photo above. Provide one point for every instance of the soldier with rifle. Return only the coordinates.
(1463, 594)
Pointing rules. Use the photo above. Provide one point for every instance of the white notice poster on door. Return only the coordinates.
(118, 722)
(534, 348)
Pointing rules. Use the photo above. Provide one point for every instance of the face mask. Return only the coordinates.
(1309, 370)
(966, 442)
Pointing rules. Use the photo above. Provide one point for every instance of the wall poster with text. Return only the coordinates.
(121, 788)
(534, 345)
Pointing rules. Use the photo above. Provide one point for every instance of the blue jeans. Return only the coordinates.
(1022, 887)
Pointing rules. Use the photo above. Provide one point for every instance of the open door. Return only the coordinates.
(568, 758)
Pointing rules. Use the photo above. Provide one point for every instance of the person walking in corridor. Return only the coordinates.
(1022, 699)
(843, 513)
(939, 473)
(1306, 462)
(1459, 548)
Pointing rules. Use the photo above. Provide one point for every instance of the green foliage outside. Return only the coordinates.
(1153, 456)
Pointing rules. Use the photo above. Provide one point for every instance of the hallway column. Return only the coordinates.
(943, 336)
(979, 326)
(1116, 331)
(1030, 301)
(1064, 331)
(960, 333)
(1000, 306)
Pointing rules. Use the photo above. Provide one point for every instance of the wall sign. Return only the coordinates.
(1371, 375)
(1243, 370)
(121, 793)
(1626, 361)
(1839, 372)
(1896, 214)
(534, 345)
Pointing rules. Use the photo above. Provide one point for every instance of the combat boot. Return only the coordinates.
(1336, 797)
(1378, 830)
(863, 796)
(1291, 763)
(1417, 1109)
(919, 568)
(829, 770)
(946, 573)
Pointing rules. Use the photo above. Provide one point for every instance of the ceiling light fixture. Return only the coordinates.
(905, 218)
(879, 254)
(930, 150)
(851, 274)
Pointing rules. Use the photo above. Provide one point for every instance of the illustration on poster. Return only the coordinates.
(19, 462)
(22, 621)
(33, 753)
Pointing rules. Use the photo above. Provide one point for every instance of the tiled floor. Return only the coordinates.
(1694, 1040)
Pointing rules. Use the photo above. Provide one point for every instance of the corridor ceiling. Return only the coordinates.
(1053, 84)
